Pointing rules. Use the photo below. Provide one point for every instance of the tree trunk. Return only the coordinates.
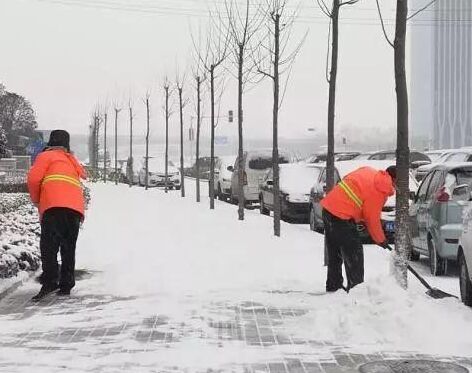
(116, 146)
(275, 136)
(332, 105)
(182, 180)
(166, 166)
(212, 139)
(130, 161)
(105, 150)
(197, 150)
(332, 96)
(402, 242)
(146, 176)
(241, 201)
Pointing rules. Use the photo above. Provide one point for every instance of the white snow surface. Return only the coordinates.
(164, 255)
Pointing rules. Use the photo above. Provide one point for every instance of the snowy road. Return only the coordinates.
(167, 285)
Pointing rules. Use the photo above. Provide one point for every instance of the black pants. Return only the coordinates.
(59, 230)
(344, 245)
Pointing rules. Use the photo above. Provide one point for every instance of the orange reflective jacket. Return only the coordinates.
(54, 181)
(361, 196)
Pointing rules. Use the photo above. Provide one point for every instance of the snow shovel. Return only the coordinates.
(432, 292)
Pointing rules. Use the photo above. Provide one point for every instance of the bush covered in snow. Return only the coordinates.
(19, 235)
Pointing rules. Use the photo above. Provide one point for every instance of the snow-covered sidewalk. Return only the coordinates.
(165, 284)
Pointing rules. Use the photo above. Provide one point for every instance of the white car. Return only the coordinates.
(156, 174)
(255, 167)
(464, 257)
(223, 176)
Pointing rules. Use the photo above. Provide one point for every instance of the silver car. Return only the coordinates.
(464, 257)
(436, 214)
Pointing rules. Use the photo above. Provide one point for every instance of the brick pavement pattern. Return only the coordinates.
(76, 337)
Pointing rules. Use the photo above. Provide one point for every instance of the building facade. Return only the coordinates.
(441, 75)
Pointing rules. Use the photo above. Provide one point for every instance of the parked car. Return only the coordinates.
(341, 156)
(436, 214)
(223, 177)
(318, 192)
(453, 156)
(416, 158)
(295, 180)
(204, 165)
(435, 155)
(156, 174)
(255, 166)
(464, 256)
(127, 171)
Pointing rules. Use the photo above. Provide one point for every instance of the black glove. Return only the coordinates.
(385, 245)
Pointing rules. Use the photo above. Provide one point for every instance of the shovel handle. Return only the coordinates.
(413, 271)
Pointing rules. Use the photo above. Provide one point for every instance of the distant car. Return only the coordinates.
(204, 168)
(255, 166)
(464, 257)
(341, 156)
(318, 192)
(416, 158)
(435, 155)
(223, 176)
(156, 174)
(452, 156)
(436, 214)
(128, 172)
(295, 180)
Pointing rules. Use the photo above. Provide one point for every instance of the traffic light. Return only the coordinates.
(230, 116)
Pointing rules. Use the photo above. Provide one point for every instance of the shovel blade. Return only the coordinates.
(439, 294)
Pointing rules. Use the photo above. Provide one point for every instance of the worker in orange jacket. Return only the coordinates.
(359, 197)
(55, 188)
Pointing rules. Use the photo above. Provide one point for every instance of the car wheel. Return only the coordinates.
(177, 187)
(219, 193)
(464, 281)
(414, 256)
(262, 208)
(437, 265)
(312, 219)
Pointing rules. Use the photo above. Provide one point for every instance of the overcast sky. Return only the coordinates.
(67, 55)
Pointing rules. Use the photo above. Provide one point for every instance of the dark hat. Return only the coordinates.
(59, 138)
(392, 171)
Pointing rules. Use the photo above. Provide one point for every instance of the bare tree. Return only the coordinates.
(199, 78)
(146, 159)
(130, 163)
(211, 58)
(168, 113)
(272, 61)
(180, 81)
(402, 251)
(105, 149)
(117, 111)
(242, 26)
(333, 15)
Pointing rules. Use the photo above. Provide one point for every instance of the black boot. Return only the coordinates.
(63, 292)
(45, 290)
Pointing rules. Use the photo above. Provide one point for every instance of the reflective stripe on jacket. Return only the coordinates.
(54, 181)
(361, 196)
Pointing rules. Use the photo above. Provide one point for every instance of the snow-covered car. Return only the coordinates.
(464, 256)
(451, 156)
(223, 176)
(318, 192)
(255, 166)
(436, 214)
(156, 174)
(338, 156)
(417, 158)
(295, 180)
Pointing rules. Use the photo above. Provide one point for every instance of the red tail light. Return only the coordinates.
(244, 178)
(442, 195)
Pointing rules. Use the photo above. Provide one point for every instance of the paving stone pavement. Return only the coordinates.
(110, 347)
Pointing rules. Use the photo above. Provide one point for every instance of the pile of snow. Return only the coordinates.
(19, 236)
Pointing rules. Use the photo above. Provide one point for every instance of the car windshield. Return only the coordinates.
(157, 164)
(298, 178)
(435, 157)
(363, 156)
(463, 176)
(264, 162)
